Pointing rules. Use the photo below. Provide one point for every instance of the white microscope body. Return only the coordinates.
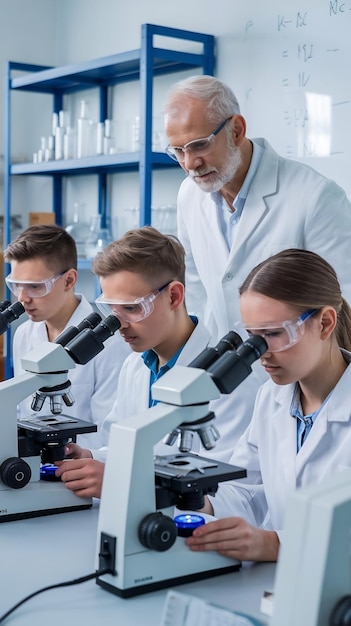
(131, 522)
(36, 496)
(314, 568)
(22, 492)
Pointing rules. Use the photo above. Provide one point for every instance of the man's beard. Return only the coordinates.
(219, 177)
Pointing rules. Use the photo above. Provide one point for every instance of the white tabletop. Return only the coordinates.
(47, 550)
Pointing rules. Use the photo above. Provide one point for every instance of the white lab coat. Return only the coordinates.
(268, 451)
(94, 385)
(133, 398)
(289, 205)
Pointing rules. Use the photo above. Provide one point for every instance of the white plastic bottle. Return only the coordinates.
(84, 132)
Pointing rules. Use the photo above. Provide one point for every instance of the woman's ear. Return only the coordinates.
(328, 322)
(176, 294)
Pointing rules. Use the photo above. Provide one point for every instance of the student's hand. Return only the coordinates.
(74, 451)
(235, 538)
(83, 476)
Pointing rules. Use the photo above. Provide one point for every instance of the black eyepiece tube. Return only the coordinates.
(209, 355)
(233, 367)
(90, 321)
(90, 342)
(4, 305)
(10, 314)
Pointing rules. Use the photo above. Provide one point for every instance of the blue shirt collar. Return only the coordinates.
(150, 359)
(304, 423)
(239, 200)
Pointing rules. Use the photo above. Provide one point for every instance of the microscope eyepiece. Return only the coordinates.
(4, 305)
(209, 355)
(230, 341)
(107, 327)
(252, 349)
(234, 366)
(90, 342)
(9, 314)
(90, 321)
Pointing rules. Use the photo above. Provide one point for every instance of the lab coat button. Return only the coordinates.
(228, 277)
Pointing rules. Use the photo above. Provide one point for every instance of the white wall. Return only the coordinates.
(27, 34)
(97, 28)
(249, 56)
(288, 63)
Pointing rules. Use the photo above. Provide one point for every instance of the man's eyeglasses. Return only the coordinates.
(197, 147)
(37, 289)
(283, 335)
(134, 311)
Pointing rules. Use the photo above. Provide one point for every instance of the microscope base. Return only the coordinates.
(166, 583)
(149, 570)
(38, 499)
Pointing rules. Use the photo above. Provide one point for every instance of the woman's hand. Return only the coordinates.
(235, 538)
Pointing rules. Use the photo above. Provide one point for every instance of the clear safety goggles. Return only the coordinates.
(282, 335)
(197, 147)
(37, 289)
(134, 311)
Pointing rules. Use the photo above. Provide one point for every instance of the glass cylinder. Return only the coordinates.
(79, 228)
(99, 236)
(109, 139)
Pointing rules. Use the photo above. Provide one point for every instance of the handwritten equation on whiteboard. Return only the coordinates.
(298, 90)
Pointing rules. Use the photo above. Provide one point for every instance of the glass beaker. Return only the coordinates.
(99, 236)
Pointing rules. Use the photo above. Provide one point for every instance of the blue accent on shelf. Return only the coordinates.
(142, 64)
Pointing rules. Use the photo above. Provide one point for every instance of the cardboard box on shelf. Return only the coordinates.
(36, 218)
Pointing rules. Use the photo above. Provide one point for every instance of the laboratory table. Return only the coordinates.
(47, 550)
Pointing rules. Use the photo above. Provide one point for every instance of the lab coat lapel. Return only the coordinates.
(337, 409)
(313, 441)
(215, 259)
(218, 247)
(284, 439)
(257, 204)
(197, 342)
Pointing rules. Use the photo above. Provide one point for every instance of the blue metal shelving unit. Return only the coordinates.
(142, 64)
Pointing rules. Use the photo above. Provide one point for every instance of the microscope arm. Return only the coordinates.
(46, 365)
(148, 552)
(131, 448)
(27, 444)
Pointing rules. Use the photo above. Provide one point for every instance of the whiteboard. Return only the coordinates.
(292, 63)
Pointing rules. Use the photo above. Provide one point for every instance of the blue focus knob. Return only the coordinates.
(187, 522)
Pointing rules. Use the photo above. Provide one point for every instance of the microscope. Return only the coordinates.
(316, 548)
(138, 539)
(30, 443)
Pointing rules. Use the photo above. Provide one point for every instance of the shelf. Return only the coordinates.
(106, 71)
(141, 65)
(69, 78)
(90, 165)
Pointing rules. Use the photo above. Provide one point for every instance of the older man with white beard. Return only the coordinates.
(240, 203)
